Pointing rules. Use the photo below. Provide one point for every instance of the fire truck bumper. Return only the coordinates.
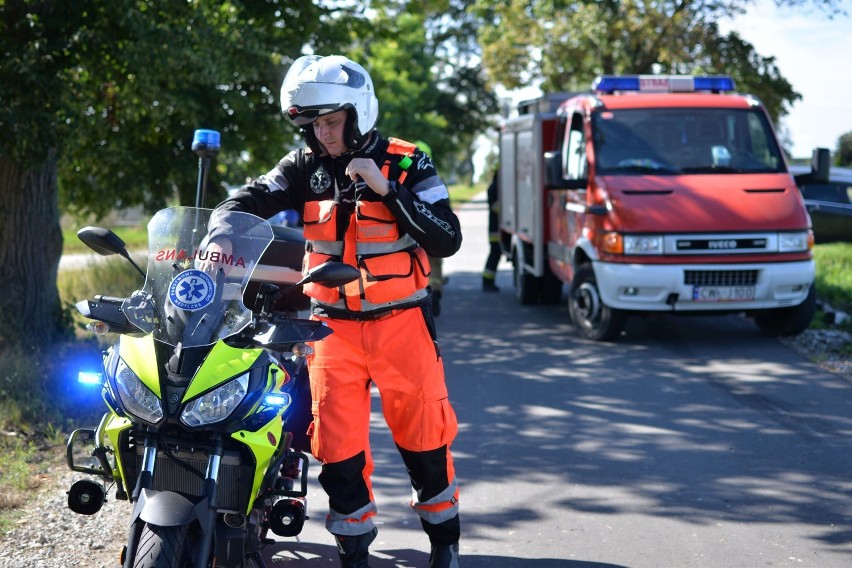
(703, 287)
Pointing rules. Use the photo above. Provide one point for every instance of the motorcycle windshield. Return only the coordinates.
(199, 263)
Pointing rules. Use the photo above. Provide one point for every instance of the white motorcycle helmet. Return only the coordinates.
(317, 85)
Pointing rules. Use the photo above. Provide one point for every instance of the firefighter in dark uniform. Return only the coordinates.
(379, 205)
(489, 274)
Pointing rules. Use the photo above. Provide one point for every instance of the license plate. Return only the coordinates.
(722, 293)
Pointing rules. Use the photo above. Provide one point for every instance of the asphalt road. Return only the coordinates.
(689, 442)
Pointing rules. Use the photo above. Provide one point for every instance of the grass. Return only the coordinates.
(834, 279)
(112, 276)
(135, 237)
(17, 479)
(40, 399)
(462, 193)
(38, 407)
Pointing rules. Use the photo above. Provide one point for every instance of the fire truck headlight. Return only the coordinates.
(793, 242)
(643, 244)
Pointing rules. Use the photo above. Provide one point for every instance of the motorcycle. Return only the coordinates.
(199, 389)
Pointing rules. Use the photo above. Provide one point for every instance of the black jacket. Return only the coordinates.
(420, 204)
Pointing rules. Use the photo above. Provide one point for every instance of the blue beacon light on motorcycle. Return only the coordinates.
(206, 142)
(90, 378)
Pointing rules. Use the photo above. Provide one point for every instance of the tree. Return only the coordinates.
(843, 153)
(563, 44)
(423, 60)
(100, 99)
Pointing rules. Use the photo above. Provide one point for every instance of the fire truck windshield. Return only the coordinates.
(673, 141)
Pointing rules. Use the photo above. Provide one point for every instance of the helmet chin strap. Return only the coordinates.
(352, 137)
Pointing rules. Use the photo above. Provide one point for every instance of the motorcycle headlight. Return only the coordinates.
(217, 404)
(136, 398)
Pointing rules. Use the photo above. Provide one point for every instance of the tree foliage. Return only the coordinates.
(562, 45)
(100, 100)
(429, 83)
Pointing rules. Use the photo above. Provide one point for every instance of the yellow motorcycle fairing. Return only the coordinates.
(139, 355)
(107, 435)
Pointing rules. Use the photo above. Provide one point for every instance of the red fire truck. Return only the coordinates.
(652, 194)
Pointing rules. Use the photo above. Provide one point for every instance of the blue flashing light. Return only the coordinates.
(662, 83)
(90, 378)
(207, 139)
(612, 83)
(280, 399)
(718, 83)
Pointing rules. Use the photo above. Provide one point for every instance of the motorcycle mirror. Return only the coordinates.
(105, 243)
(332, 274)
(102, 241)
(329, 274)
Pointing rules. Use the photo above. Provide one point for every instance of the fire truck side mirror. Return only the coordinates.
(553, 178)
(820, 165)
(820, 168)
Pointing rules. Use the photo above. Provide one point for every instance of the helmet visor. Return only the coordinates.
(302, 116)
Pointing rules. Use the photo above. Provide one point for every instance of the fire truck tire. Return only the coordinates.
(593, 319)
(787, 321)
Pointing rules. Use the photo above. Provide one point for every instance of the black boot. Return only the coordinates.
(488, 285)
(354, 550)
(444, 556)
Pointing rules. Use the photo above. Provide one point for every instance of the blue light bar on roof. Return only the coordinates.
(662, 83)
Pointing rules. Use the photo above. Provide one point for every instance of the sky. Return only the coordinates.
(815, 55)
(812, 52)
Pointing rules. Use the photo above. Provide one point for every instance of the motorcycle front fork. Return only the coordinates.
(146, 481)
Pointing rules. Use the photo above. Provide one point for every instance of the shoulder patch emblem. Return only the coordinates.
(320, 181)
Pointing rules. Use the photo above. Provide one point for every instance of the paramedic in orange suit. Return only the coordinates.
(379, 205)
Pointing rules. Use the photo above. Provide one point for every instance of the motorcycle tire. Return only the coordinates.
(161, 547)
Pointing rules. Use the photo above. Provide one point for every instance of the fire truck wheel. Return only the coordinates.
(592, 318)
(787, 321)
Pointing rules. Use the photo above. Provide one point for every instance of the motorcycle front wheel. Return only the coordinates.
(161, 547)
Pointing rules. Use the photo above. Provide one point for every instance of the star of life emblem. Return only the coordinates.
(192, 290)
(320, 181)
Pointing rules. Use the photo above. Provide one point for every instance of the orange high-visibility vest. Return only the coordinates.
(394, 268)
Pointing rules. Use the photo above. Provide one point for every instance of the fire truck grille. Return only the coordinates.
(720, 277)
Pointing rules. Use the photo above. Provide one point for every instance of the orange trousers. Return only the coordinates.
(397, 353)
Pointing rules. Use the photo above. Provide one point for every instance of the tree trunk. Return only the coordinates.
(30, 249)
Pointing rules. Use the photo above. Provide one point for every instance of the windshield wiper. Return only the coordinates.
(641, 168)
(705, 169)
